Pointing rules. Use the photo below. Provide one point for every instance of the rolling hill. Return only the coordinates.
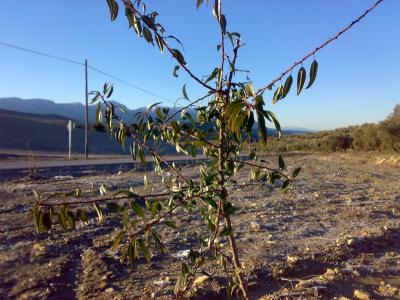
(40, 125)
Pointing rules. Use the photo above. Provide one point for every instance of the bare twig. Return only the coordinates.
(96, 200)
(147, 147)
(187, 106)
(130, 7)
(336, 36)
(261, 167)
(165, 214)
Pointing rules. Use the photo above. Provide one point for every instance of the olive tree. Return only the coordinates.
(226, 115)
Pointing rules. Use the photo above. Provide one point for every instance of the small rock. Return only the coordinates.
(292, 259)
(162, 283)
(200, 280)
(155, 295)
(330, 274)
(255, 225)
(109, 290)
(350, 242)
(181, 254)
(38, 250)
(361, 295)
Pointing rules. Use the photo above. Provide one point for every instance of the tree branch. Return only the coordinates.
(130, 7)
(187, 106)
(147, 147)
(42, 204)
(336, 36)
(165, 214)
(261, 167)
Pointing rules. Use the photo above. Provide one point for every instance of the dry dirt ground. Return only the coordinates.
(335, 234)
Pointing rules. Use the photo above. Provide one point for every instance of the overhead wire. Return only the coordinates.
(72, 61)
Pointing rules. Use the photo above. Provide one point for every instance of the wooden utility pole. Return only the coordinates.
(86, 111)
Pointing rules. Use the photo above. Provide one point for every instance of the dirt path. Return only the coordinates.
(334, 233)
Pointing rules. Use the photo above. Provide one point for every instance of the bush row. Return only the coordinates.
(383, 136)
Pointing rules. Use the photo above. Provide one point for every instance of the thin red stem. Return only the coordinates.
(323, 45)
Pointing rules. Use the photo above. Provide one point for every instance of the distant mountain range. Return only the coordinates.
(75, 110)
(40, 125)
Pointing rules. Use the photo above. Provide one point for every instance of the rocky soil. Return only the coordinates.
(334, 234)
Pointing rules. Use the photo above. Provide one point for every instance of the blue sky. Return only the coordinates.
(358, 79)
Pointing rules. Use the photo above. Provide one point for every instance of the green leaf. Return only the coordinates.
(301, 78)
(178, 55)
(61, 220)
(118, 238)
(212, 75)
(126, 193)
(222, 23)
(171, 224)
(287, 86)
(160, 43)
(296, 172)
(282, 164)
(148, 35)
(278, 94)
(216, 10)
(137, 25)
(176, 39)
(176, 68)
(113, 6)
(313, 73)
(184, 92)
(99, 211)
(249, 89)
(250, 122)
(226, 231)
(262, 129)
(184, 269)
(133, 149)
(150, 107)
(131, 251)
(145, 181)
(149, 22)
(82, 216)
(114, 207)
(145, 250)
(124, 252)
(235, 116)
(285, 184)
(71, 219)
(229, 209)
(211, 202)
(158, 242)
(276, 122)
(103, 190)
(98, 113)
(198, 4)
(137, 209)
(36, 194)
(141, 156)
(47, 222)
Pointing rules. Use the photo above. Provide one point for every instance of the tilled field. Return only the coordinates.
(334, 233)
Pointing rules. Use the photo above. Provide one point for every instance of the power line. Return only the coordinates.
(42, 54)
(68, 60)
(129, 84)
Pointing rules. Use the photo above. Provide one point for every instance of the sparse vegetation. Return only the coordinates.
(226, 115)
(383, 136)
